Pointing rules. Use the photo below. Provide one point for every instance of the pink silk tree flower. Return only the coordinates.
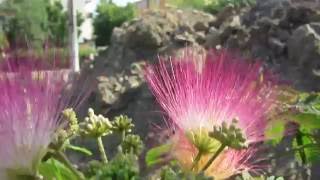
(202, 91)
(32, 99)
(31, 103)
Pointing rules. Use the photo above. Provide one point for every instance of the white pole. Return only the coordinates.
(73, 37)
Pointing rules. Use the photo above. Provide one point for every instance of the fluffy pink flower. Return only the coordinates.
(30, 106)
(201, 91)
(32, 101)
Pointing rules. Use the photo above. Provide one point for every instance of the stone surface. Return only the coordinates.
(304, 52)
(272, 31)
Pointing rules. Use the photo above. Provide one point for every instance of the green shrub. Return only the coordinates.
(211, 6)
(109, 16)
(29, 22)
(85, 51)
(217, 5)
(196, 4)
(3, 40)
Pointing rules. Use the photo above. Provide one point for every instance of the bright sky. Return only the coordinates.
(123, 2)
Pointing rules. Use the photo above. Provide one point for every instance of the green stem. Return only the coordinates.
(216, 154)
(196, 160)
(123, 135)
(302, 152)
(63, 159)
(102, 151)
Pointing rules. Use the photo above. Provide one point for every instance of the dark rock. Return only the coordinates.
(269, 31)
(184, 38)
(277, 46)
(201, 26)
(212, 38)
(200, 37)
(304, 51)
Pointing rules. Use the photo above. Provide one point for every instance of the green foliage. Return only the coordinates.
(211, 6)
(53, 169)
(109, 16)
(92, 168)
(275, 131)
(306, 113)
(29, 22)
(310, 150)
(80, 149)
(34, 21)
(197, 4)
(58, 23)
(173, 172)
(154, 155)
(216, 6)
(85, 51)
(57, 17)
(3, 40)
(122, 167)
(309, 103)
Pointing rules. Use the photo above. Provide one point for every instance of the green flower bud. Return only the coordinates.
(95, 125)
(122, 124)
(230, 135)
(203, 142)
(71, 117)
(132, 144)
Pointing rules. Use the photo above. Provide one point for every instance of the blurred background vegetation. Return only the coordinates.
(109, 15)
(46, 21)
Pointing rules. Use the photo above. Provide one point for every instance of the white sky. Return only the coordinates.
(123, 2)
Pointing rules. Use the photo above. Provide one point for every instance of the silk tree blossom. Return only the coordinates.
(200, 92)
(30, 106)
(32, 100)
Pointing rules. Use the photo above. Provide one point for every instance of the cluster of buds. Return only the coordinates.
(71, 116)
(230, 136)
(132, 144)
(63, 136)
(96, 125)
(122, 124)
(202, 141)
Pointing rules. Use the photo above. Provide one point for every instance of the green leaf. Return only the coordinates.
(154, 155)
(275, 131)
(307, 121)
(276, 128)
(311, 150)
(309, 103)
(274, 178)
(54, 170)
(80, 149)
